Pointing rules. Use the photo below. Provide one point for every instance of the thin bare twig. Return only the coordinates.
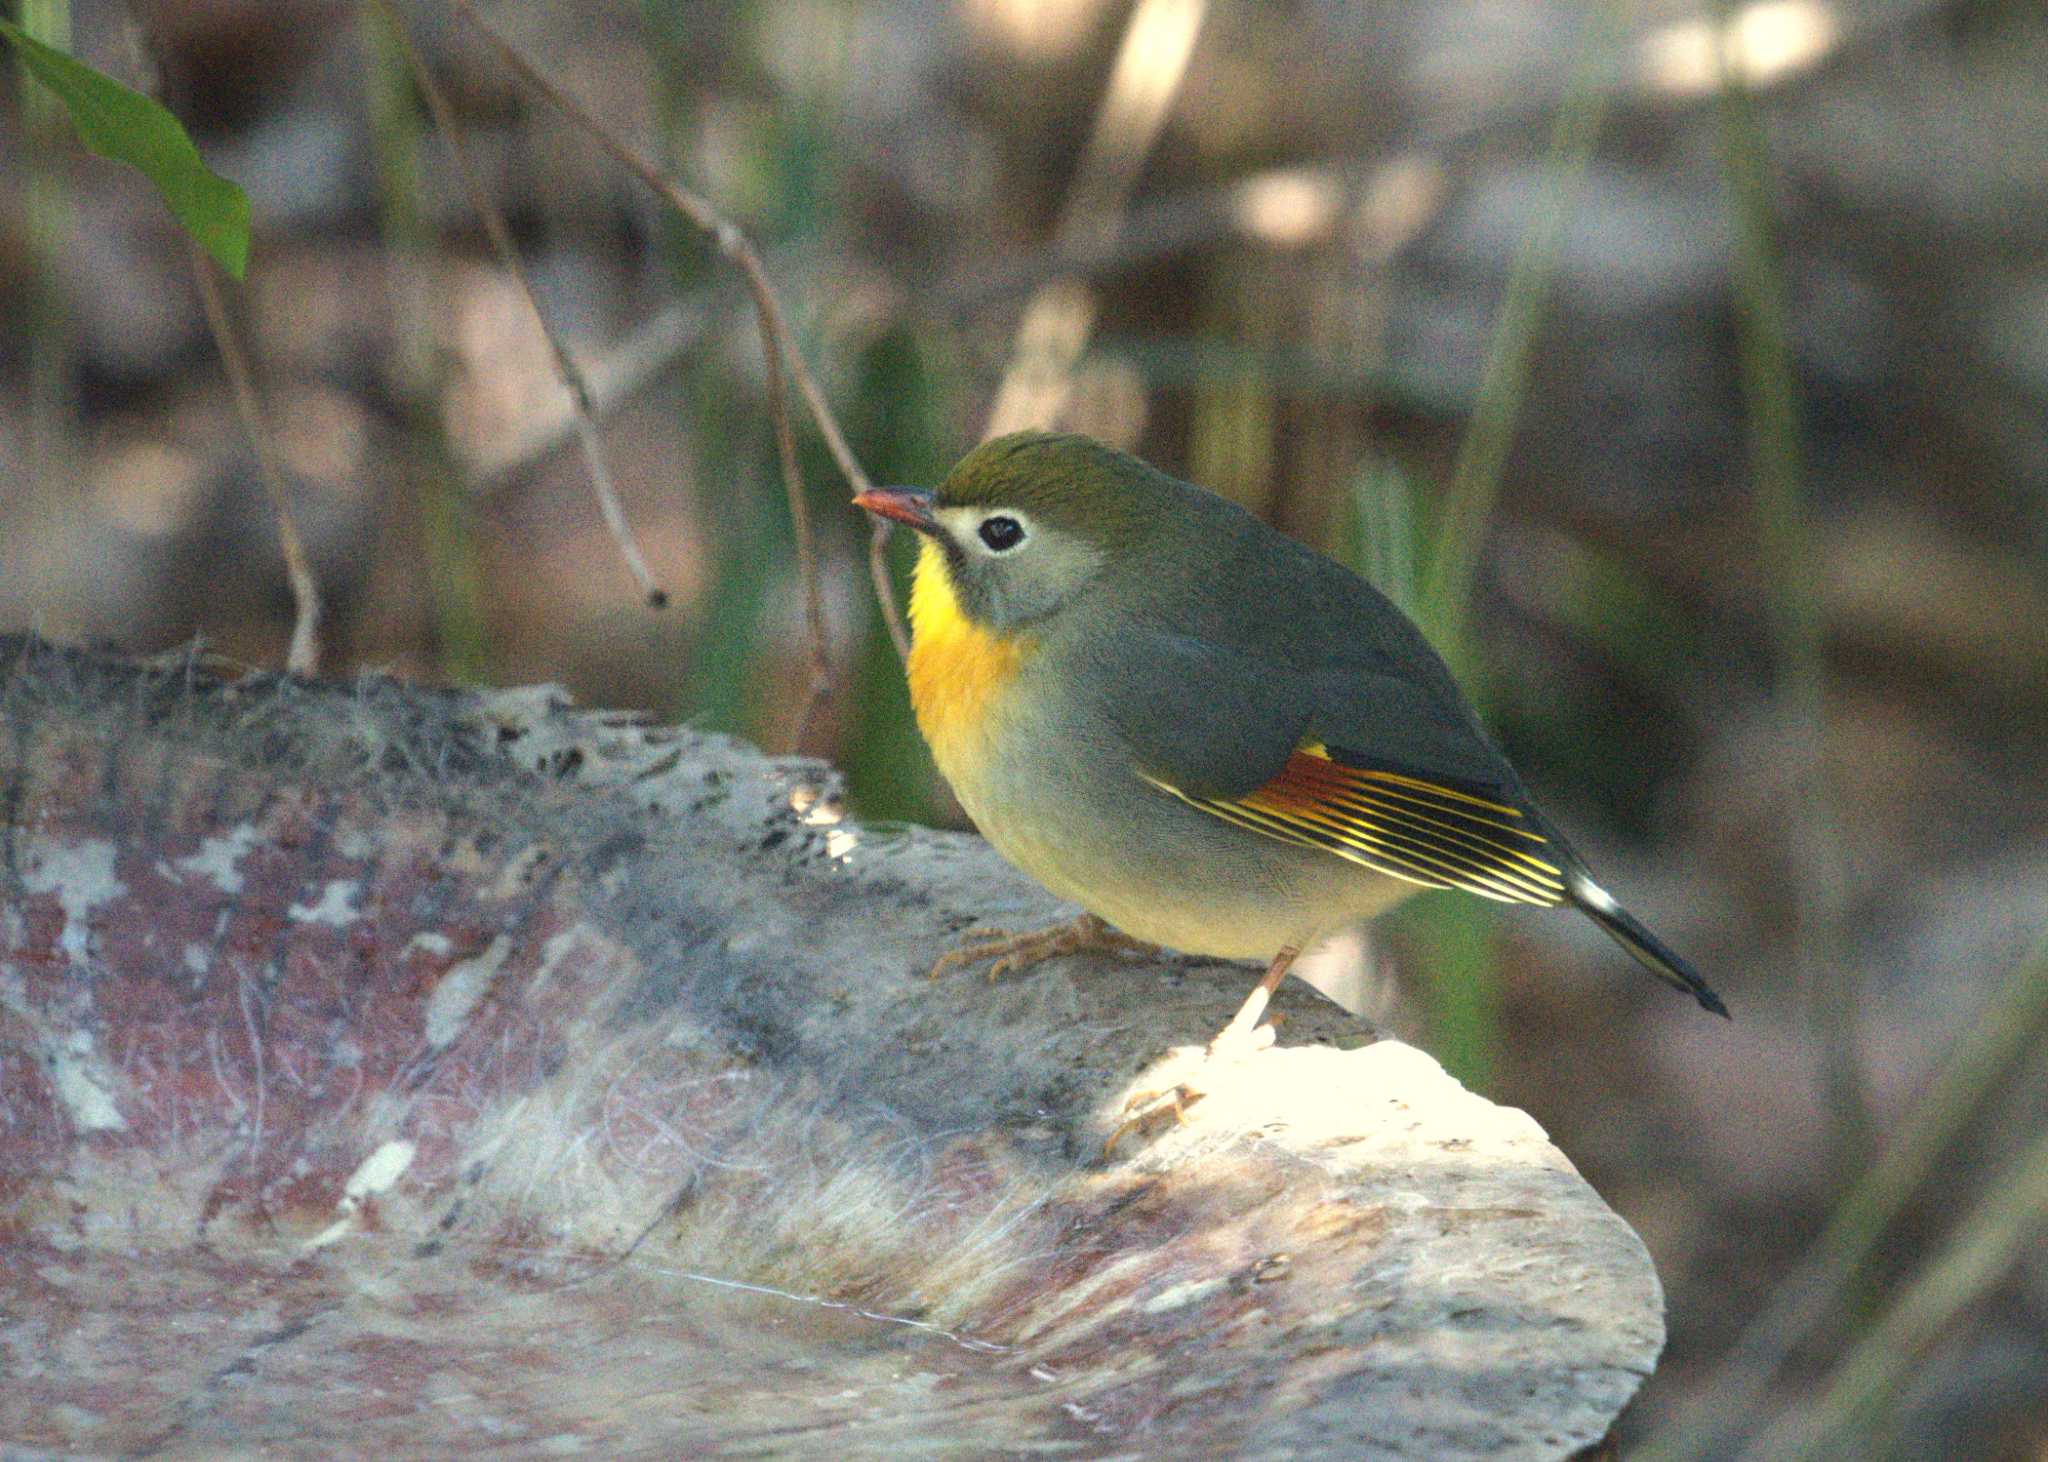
(885, 587)
(1196, 219)
(615, 373)
(800, 521)
(302, 657)
(737, 247)
(493, 221)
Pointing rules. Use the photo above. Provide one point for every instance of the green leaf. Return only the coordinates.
(126, 126)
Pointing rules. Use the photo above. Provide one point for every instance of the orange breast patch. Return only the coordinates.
(957, 668)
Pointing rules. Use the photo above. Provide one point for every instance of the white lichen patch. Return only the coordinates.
(460, 990)
(377, 1172)
(517, 874)
(430, 943)
(81, 875)
(373, 1175)
(219, 858)
(80, 1085)
(336, 906)
(356, 843)
(1189, 1292)
(553, 954)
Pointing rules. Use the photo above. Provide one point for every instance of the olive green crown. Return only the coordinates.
(1071, 481)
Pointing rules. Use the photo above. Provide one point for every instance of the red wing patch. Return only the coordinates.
(1407, 827)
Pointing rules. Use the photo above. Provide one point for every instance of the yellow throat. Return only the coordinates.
(957, 668)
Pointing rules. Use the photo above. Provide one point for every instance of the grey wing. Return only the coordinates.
(1305, 707)
(1338, 660)
(1206, 719)
(1215, 720)
(1394, 723)
(1365, 766)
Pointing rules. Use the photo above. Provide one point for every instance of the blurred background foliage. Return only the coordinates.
(1684, 367)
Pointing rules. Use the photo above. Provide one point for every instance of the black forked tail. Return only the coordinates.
(1650, 952)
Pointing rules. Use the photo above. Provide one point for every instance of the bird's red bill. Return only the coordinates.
(906, 505)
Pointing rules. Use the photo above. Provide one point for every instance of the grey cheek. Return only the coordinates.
(1010, 601)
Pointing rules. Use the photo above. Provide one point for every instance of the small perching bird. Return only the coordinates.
(1206, 735)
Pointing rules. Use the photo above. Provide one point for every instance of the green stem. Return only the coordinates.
(446, 512)
(1785, 531)
(2012, 1026)
(1467, 507)
(47, 210)
(1457, 940)
(1453, 939)
(1998, 1230)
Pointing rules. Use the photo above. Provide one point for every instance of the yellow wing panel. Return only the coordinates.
(1404, 826)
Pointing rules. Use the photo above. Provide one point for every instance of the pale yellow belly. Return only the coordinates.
(1083, 824)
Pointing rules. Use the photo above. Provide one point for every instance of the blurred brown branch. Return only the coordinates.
(613, 377)
(1057, 321)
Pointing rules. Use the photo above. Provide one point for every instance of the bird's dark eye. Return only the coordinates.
(1001, 534)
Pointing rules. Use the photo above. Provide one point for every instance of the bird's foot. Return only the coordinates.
(1009, 951)
(1247, 1034)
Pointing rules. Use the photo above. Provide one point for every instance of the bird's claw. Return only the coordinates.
(1145, 1111)
(1148, 1109)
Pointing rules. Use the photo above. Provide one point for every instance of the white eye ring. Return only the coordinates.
(1000, 532)
(965, 528)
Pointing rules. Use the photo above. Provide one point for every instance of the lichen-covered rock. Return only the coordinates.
(389, 1070)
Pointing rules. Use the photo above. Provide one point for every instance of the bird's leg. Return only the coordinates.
(1011, 951)
(1241, 1038)
(1244, 1034)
